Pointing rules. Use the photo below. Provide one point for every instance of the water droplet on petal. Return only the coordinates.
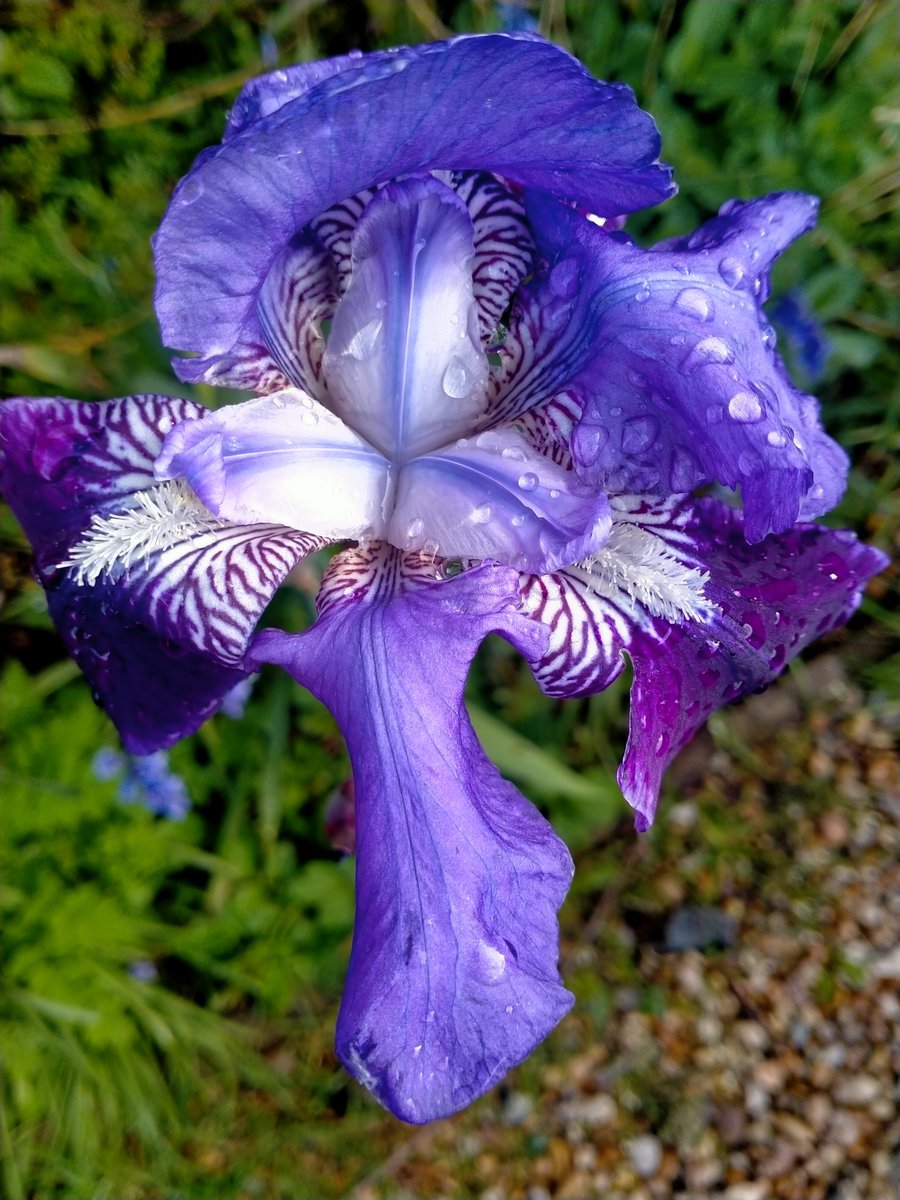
(518, 520)
(638, 433)
(365, 341)
(415, 528)
(642, 295)
(745, 407)
(774, 438)
(685, 472)
(458, 380)
(191, 191)
(528, 482)
(588, 441)
(513, 453)
(694, 303)
(754, 629)
(732, 270)
(309, 418)
(481, 515)
(554, 493)
(710, 350)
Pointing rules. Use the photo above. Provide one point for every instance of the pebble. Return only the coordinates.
(592, 1111)
(645, 1154)
(858, 1091)
(756, 1190)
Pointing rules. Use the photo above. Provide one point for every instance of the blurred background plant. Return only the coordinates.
(170, 985)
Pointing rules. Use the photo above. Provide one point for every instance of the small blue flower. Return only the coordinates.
(146, 779)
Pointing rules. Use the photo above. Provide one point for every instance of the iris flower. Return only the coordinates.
(505, 412)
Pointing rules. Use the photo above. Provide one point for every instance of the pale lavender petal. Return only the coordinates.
(282, 460)
(538, 120)
(404, 363)
(453, 973)
(496, 497)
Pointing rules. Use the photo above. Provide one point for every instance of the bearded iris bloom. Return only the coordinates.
(502, 409)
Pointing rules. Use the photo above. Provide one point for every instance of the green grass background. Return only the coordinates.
(216, 1078)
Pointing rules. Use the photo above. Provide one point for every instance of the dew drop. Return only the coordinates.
(528, 482)
(710, 350)
(513, 453)
(233, 445)
(309, 418)
(364, 342)
(639, 433)
(642, 295)
(458, 380)
(685, 471)
(518, 520)
(588, 441)
(554, 493)
(415, 528)
(693, 303)
(481, 515)
(732, 270)
(754, 629)
(745, 408)
(190, 192)
(774, 438)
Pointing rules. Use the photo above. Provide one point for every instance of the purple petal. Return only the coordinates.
(404, 362)
(704, 616)
(154, 690)
(453, 973)
(457, 105)
(160, 627)
(774, 598)
(496, 497)
(284, 460)
(674, 358)
(64, 461)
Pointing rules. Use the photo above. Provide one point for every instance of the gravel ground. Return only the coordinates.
(750, 1043)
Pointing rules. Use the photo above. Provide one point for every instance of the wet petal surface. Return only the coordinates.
(453, 973)
(246, 199)
(284, 460)
(404, 363)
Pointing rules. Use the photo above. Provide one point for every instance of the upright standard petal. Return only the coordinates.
(388, 117)
(285, 460)
(673, 358)
(153, 596)
(453, 972)
(704, 616)
(404, 363)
